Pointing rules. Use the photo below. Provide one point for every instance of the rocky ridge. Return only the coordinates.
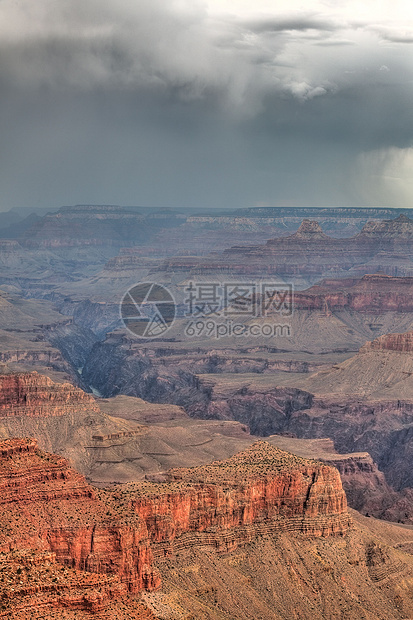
(377, 294)
(309, 254)
(281, 521)
(47, 507)
(391, 342)
(95, 225)
(36, 395)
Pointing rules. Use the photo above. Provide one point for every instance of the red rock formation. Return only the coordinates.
(48, 506)
(365, 485)
(227, 503)
(32, 394)
(39, 582)
(78, 556)
(391, 342)
(376, 293)
(24, 478)
(34, 586)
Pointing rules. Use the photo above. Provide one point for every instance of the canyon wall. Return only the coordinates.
(375, 294)
(48, 506)
(33, 395)
(67, 551)
(391, 342)
(310, 253)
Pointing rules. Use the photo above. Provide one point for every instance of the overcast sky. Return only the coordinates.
(219, 103)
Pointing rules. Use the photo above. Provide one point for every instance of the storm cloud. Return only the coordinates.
(168, 102)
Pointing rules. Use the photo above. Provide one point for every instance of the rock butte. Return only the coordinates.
(70, 552)
(47, 506)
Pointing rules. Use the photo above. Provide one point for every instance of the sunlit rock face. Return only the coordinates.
(32, 395)
(48, 506)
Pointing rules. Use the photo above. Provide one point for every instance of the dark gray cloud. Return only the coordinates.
(166, 103)
(291, 23)
(394, 35)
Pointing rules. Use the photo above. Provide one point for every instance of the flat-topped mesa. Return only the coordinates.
(48, 506)
(95, 225)
(101, 210)
(32, 394)
(391, 342)
(228, 503)
(259, 461)
(401, 228)
(375, 293)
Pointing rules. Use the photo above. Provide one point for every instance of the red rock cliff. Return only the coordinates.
(376, 294)
(226, 504)
(32, 394)
(391, 342)
(46, 506)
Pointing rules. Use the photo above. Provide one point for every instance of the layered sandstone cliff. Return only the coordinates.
(34, 586)
(227, 503)
(391, 342)
(82, 553)
(376, 294)
(309, 253)
(48, 506)
(34, 395)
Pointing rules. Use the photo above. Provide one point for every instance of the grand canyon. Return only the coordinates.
(204, 475)
(206, 310)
